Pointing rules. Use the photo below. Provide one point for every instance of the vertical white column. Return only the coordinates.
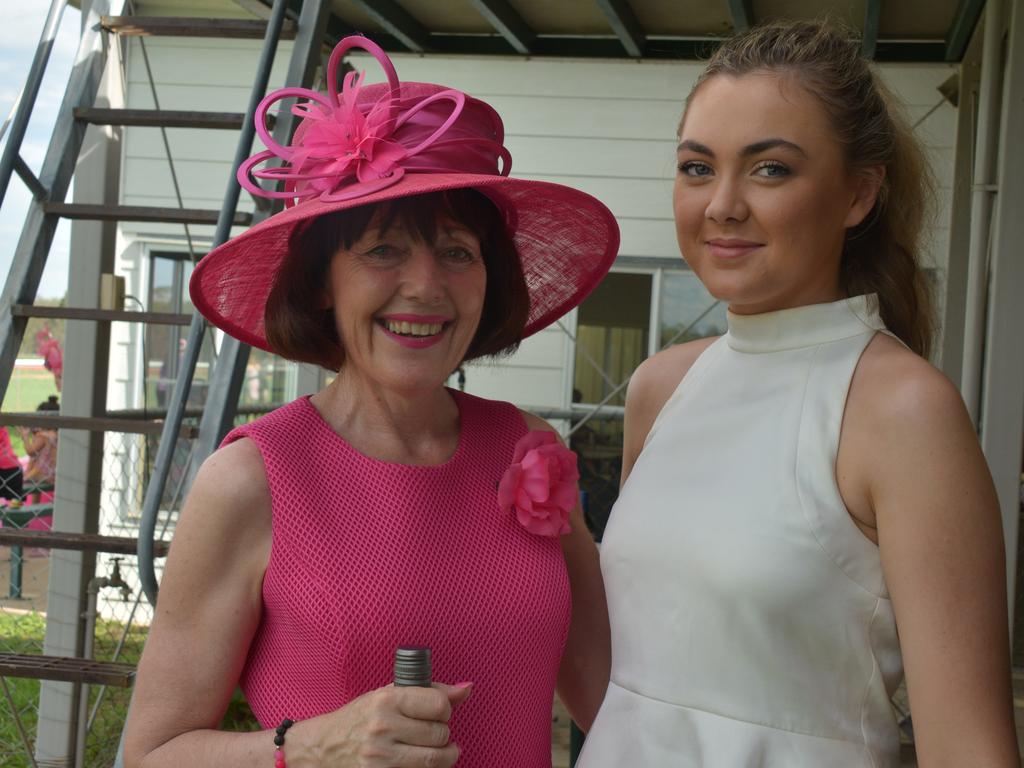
(983, 192)
(1002, 403)
(80, 453)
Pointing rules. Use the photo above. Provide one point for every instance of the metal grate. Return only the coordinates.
(65, 669)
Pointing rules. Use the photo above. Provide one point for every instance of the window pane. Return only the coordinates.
(612, 340)
(265, 379)
(186, 275)
(611, 337)
(161, 341)
(688, 311)
(161, 296)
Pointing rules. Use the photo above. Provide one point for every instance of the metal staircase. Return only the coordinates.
(17, 303)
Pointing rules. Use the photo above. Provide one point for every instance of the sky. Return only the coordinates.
(19, 35)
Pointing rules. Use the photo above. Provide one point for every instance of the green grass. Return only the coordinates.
(28, 388)
(23, 633)
(19, 633)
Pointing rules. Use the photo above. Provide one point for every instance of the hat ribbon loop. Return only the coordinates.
(341, 151)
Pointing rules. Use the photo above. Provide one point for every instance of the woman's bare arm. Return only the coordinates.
(941, 541)
(209, 608)
(206, 614)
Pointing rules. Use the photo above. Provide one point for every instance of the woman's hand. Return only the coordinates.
(391, 727)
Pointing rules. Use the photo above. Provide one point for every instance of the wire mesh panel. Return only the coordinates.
(121, 617)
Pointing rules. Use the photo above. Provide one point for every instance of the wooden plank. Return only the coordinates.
(49, 420)
(67, 669)
(190, 413)
(79, 542)
(509, 24)
(141, 213)
(625, 25)
(742, 15)
(19, 517)
(872, 16)
(251, 29)
(966, 19)
(101, 315)
(162, 118)
(397, 22)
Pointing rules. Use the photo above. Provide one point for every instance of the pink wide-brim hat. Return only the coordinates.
(382, 142)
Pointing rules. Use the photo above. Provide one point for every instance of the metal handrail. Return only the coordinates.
(29, 94)
(179, 396)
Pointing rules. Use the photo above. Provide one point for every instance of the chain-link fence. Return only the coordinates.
(121, 617)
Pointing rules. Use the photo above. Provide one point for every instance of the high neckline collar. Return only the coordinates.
(805, 326)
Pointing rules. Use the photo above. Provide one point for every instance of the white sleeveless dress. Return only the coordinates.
(751, 625)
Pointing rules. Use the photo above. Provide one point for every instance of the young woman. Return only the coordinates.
(385, 510)
(805, 512)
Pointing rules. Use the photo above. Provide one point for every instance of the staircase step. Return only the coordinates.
(79, 542)
(156, 118)
(68, 669)
(50, 420)
(169, 26)
(141, 213)
(104, 315)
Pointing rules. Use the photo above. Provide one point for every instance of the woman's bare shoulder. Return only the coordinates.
(230, 497)
(234, 471)
(657, 377)
(895, 388)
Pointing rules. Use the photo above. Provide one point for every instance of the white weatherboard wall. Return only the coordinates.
(606, 127)
(188, 74)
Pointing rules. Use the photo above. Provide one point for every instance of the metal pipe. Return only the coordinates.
(35, 79)
(96, 583)
(92, 590)
(983, 193)
(183, 383)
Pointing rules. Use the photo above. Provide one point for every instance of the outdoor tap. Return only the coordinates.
(115, 579)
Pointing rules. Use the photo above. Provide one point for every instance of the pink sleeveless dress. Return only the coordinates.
(368, 555)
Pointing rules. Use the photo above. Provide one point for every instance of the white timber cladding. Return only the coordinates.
(606, 127)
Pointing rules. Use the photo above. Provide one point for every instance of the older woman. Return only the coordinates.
(385, 509)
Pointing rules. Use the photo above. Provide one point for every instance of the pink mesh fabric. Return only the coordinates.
(368, 555)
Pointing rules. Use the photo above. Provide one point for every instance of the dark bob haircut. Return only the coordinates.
(297, 326)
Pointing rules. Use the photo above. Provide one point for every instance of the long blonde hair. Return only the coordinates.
(882, 254)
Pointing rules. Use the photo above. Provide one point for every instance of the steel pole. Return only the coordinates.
(28, 96)
(183, 383)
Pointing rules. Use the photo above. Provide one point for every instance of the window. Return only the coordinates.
(165, 344)
(628, 317)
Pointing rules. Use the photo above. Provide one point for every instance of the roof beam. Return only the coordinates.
(623, 21)
(742, 15)
(504, 18)
(673, 49)
(397, 22)
(964, 22)
(872, 15)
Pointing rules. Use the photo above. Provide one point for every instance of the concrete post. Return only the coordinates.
(84, 393)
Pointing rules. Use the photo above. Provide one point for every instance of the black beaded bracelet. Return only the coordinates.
(279, 733)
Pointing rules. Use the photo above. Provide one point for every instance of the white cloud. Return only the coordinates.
(24, 24)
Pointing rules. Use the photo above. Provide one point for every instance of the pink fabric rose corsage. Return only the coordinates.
(540, 484)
